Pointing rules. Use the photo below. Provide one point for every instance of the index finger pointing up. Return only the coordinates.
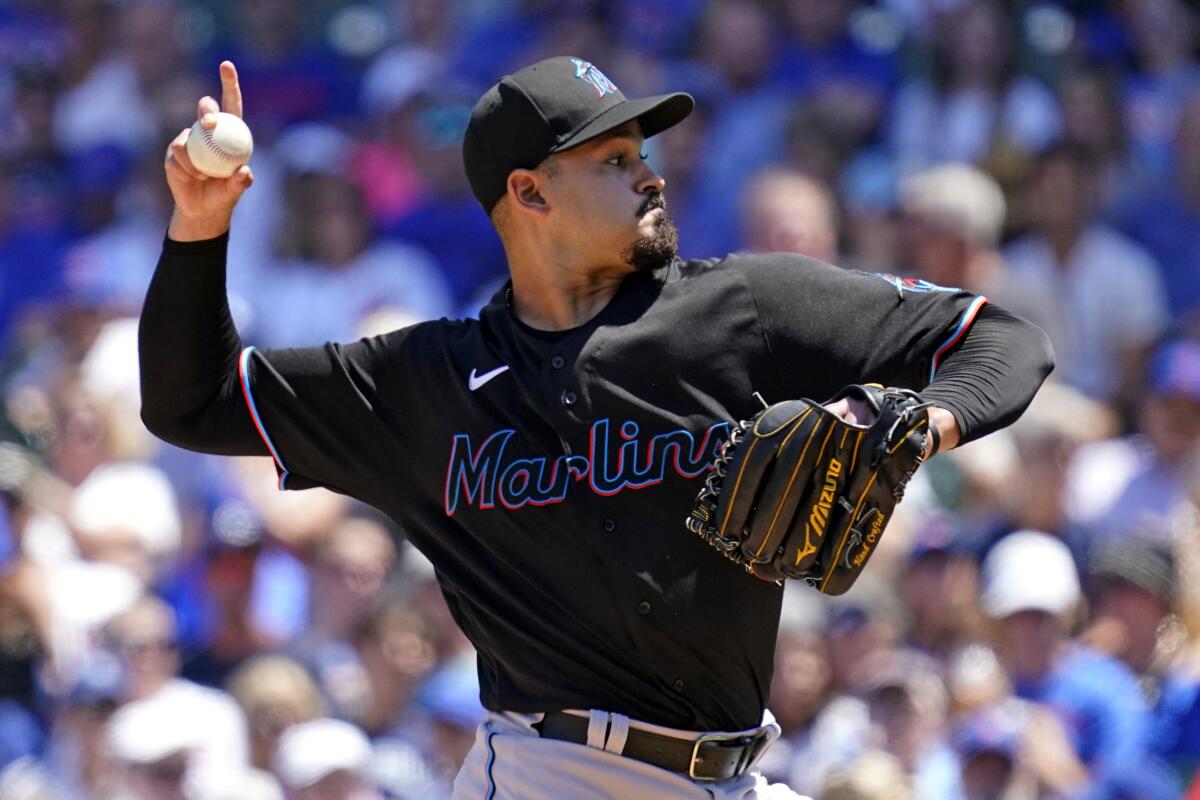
(231, 92)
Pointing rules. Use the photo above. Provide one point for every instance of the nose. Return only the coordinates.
(650, 182)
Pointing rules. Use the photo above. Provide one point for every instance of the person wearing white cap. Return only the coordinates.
(1031, 590)
(1029, 571)
(232, 784)
(324, 759)
(953, 219)
(152, 751)
(203, 720)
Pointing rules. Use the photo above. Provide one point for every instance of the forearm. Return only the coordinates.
(188, 349)
(988, 381)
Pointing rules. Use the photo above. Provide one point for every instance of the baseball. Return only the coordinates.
(219, 151)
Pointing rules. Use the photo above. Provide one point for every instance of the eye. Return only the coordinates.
(619, 159)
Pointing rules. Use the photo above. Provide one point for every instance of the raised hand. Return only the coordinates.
(204, 205)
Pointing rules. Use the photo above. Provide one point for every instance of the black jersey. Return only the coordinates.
(547, 476)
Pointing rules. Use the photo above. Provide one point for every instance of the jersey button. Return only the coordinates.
(569, 398)
(610, 525)
(678, 684)
(643, 608)
(557, 362)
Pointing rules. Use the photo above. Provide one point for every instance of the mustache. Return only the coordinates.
(655, 200)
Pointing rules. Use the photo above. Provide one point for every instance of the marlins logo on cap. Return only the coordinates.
(589, 72)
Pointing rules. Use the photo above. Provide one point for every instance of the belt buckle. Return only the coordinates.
(752, 746)
(696, 757)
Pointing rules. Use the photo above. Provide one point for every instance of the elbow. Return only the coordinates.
(164, 417)
(174, 429)
(161, 423)
(1043, 349)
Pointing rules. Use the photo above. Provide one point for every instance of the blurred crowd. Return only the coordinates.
(172, 626)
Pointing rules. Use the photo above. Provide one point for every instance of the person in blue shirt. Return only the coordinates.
(1031, 590)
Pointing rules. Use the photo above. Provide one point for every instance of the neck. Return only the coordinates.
(556, 294)
(1034, 666)
(391, 694)
(1062, 240)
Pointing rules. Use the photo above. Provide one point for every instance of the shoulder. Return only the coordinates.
(387, 253)
(431, 333)
(1095, 674)
(755, 265)
(408, 345)
(768, 277)
(692, 268)
(1107, 247)
(1027, 248)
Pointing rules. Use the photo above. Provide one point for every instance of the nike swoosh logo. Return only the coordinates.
(475, 381)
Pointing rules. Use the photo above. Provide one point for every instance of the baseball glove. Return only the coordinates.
(798, 492)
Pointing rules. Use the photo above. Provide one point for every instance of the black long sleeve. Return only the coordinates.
(188, 348)
(990, 378)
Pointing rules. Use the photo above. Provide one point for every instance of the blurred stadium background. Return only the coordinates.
(171, 626)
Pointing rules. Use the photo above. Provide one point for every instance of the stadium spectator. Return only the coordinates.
(325, 759)
(939, 586)
(952, 216)
(1031, 589)
(331, 273)
(1135, 483)
(1037, 493)
(443, 219)
(737, 43)
(296, 76)
(787, 212)
(1096, 294)
(347, 575)
(800, 691)
(1163, 34)
(396, 651)
(1092, 122)
(274, 694)
(874, 775)
(908, 706)
(163, 720)
(1167, 220)
(976, 99)
(1134, 597)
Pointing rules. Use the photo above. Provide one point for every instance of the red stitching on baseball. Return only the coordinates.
(206, 135)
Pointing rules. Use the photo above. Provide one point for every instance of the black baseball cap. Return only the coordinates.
(549, 107)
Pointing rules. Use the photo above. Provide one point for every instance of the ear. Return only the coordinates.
(525, 192)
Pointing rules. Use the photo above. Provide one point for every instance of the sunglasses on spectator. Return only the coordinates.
(143, 646)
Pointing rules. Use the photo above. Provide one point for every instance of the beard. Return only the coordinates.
(659, 248)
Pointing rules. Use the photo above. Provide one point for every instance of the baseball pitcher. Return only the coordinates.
(615, 468)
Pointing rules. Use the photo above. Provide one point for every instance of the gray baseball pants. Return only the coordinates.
(509, 761)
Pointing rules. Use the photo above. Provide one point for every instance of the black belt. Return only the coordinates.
(705, 758)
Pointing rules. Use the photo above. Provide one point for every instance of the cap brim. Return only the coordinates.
(655, 114)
